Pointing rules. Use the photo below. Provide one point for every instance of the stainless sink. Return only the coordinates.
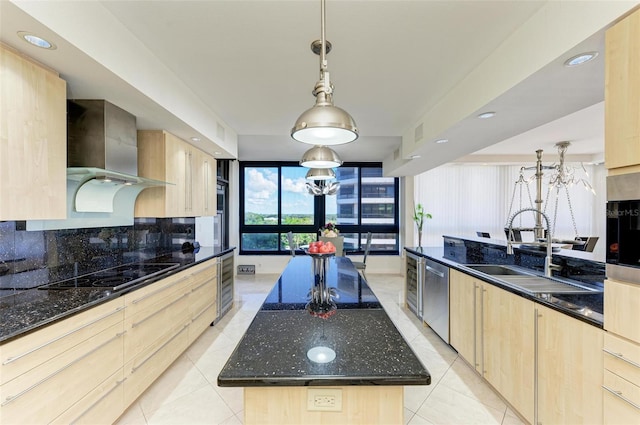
(529, 282)
(498, 270)
(545, 285)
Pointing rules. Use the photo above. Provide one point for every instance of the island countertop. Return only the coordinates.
(368, 347)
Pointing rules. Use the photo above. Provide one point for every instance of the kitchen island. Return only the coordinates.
(287, 382)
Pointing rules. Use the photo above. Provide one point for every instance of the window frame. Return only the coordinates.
(319, 212)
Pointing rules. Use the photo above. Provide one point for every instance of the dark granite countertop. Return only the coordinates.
(26, 310)
(586, 307)
(369, 348)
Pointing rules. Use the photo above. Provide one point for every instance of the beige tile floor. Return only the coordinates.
(187, 393)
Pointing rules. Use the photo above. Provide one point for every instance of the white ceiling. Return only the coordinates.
(247, 66)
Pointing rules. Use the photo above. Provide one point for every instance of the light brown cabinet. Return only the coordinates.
(622, 94)
(90, 367)
(493, 330)
(162, 320)
(464, 303)
(569, 374)
(508, 338)
(33, 140)
(37, 369)
(191, 172)
(209, 180)
(621, 313)
(621, 389)
(518, 345)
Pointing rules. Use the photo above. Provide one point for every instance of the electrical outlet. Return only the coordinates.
(324, 399)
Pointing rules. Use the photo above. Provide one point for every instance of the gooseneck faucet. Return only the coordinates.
(548, 261)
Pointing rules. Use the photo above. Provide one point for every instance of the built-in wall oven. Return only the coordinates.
(623, 227)
(414, 278)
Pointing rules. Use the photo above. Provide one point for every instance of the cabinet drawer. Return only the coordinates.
(621, 400)
(29, 351)
(201, 321)
(622, 358)
(103, 405)
(621, 314)
(162, 291)
(46, 391)
(203, 294)
(149, 365)
(153, 323)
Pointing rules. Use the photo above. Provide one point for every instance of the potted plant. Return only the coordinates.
(419, 214)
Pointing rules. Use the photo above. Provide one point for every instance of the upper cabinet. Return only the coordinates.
(622, 94)
(33, 140)
(163, 156)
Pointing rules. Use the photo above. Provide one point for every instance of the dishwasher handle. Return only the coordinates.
(434, 271)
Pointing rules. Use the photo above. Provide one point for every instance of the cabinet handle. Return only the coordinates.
(19, 356)
(202, 312)
(133, 325)
(11, 398)
(619, 395)
(621, 357)
(434, 271)
(105, 395)
(133, 369)
(201, 285)
(150, 294)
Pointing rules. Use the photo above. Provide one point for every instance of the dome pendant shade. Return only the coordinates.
(325, 124)
(320, 174)
(320, 157)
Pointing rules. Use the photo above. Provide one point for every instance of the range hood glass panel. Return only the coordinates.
(83, 174)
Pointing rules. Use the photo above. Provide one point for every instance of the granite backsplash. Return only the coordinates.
(71, 252)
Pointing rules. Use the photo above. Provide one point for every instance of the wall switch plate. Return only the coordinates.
(324, 399)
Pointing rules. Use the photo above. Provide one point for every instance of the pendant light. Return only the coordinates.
(320, 174)
(324, 123)
(320, 157)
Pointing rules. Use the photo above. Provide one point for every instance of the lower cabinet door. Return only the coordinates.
(150, 364)
(621, 400)
(508, 338)
(201, 321)
(462, 315)
(569, 369)
(43, 393)
(101, 406)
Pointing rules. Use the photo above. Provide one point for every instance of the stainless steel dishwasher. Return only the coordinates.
(435, 298)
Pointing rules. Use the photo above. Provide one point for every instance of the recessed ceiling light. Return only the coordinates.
(440, 141)
(580, 59)
(485, 115)
(414, 157)
(217, 153)
(36, 41)
(195, 139)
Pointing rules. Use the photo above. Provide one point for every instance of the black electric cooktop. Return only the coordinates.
(115, 278)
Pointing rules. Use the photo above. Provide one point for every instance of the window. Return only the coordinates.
(275, 200)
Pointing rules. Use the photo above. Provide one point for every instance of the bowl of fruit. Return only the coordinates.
(321, 249)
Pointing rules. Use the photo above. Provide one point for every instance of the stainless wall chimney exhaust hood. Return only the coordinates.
(102, 161)
(102, 153)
